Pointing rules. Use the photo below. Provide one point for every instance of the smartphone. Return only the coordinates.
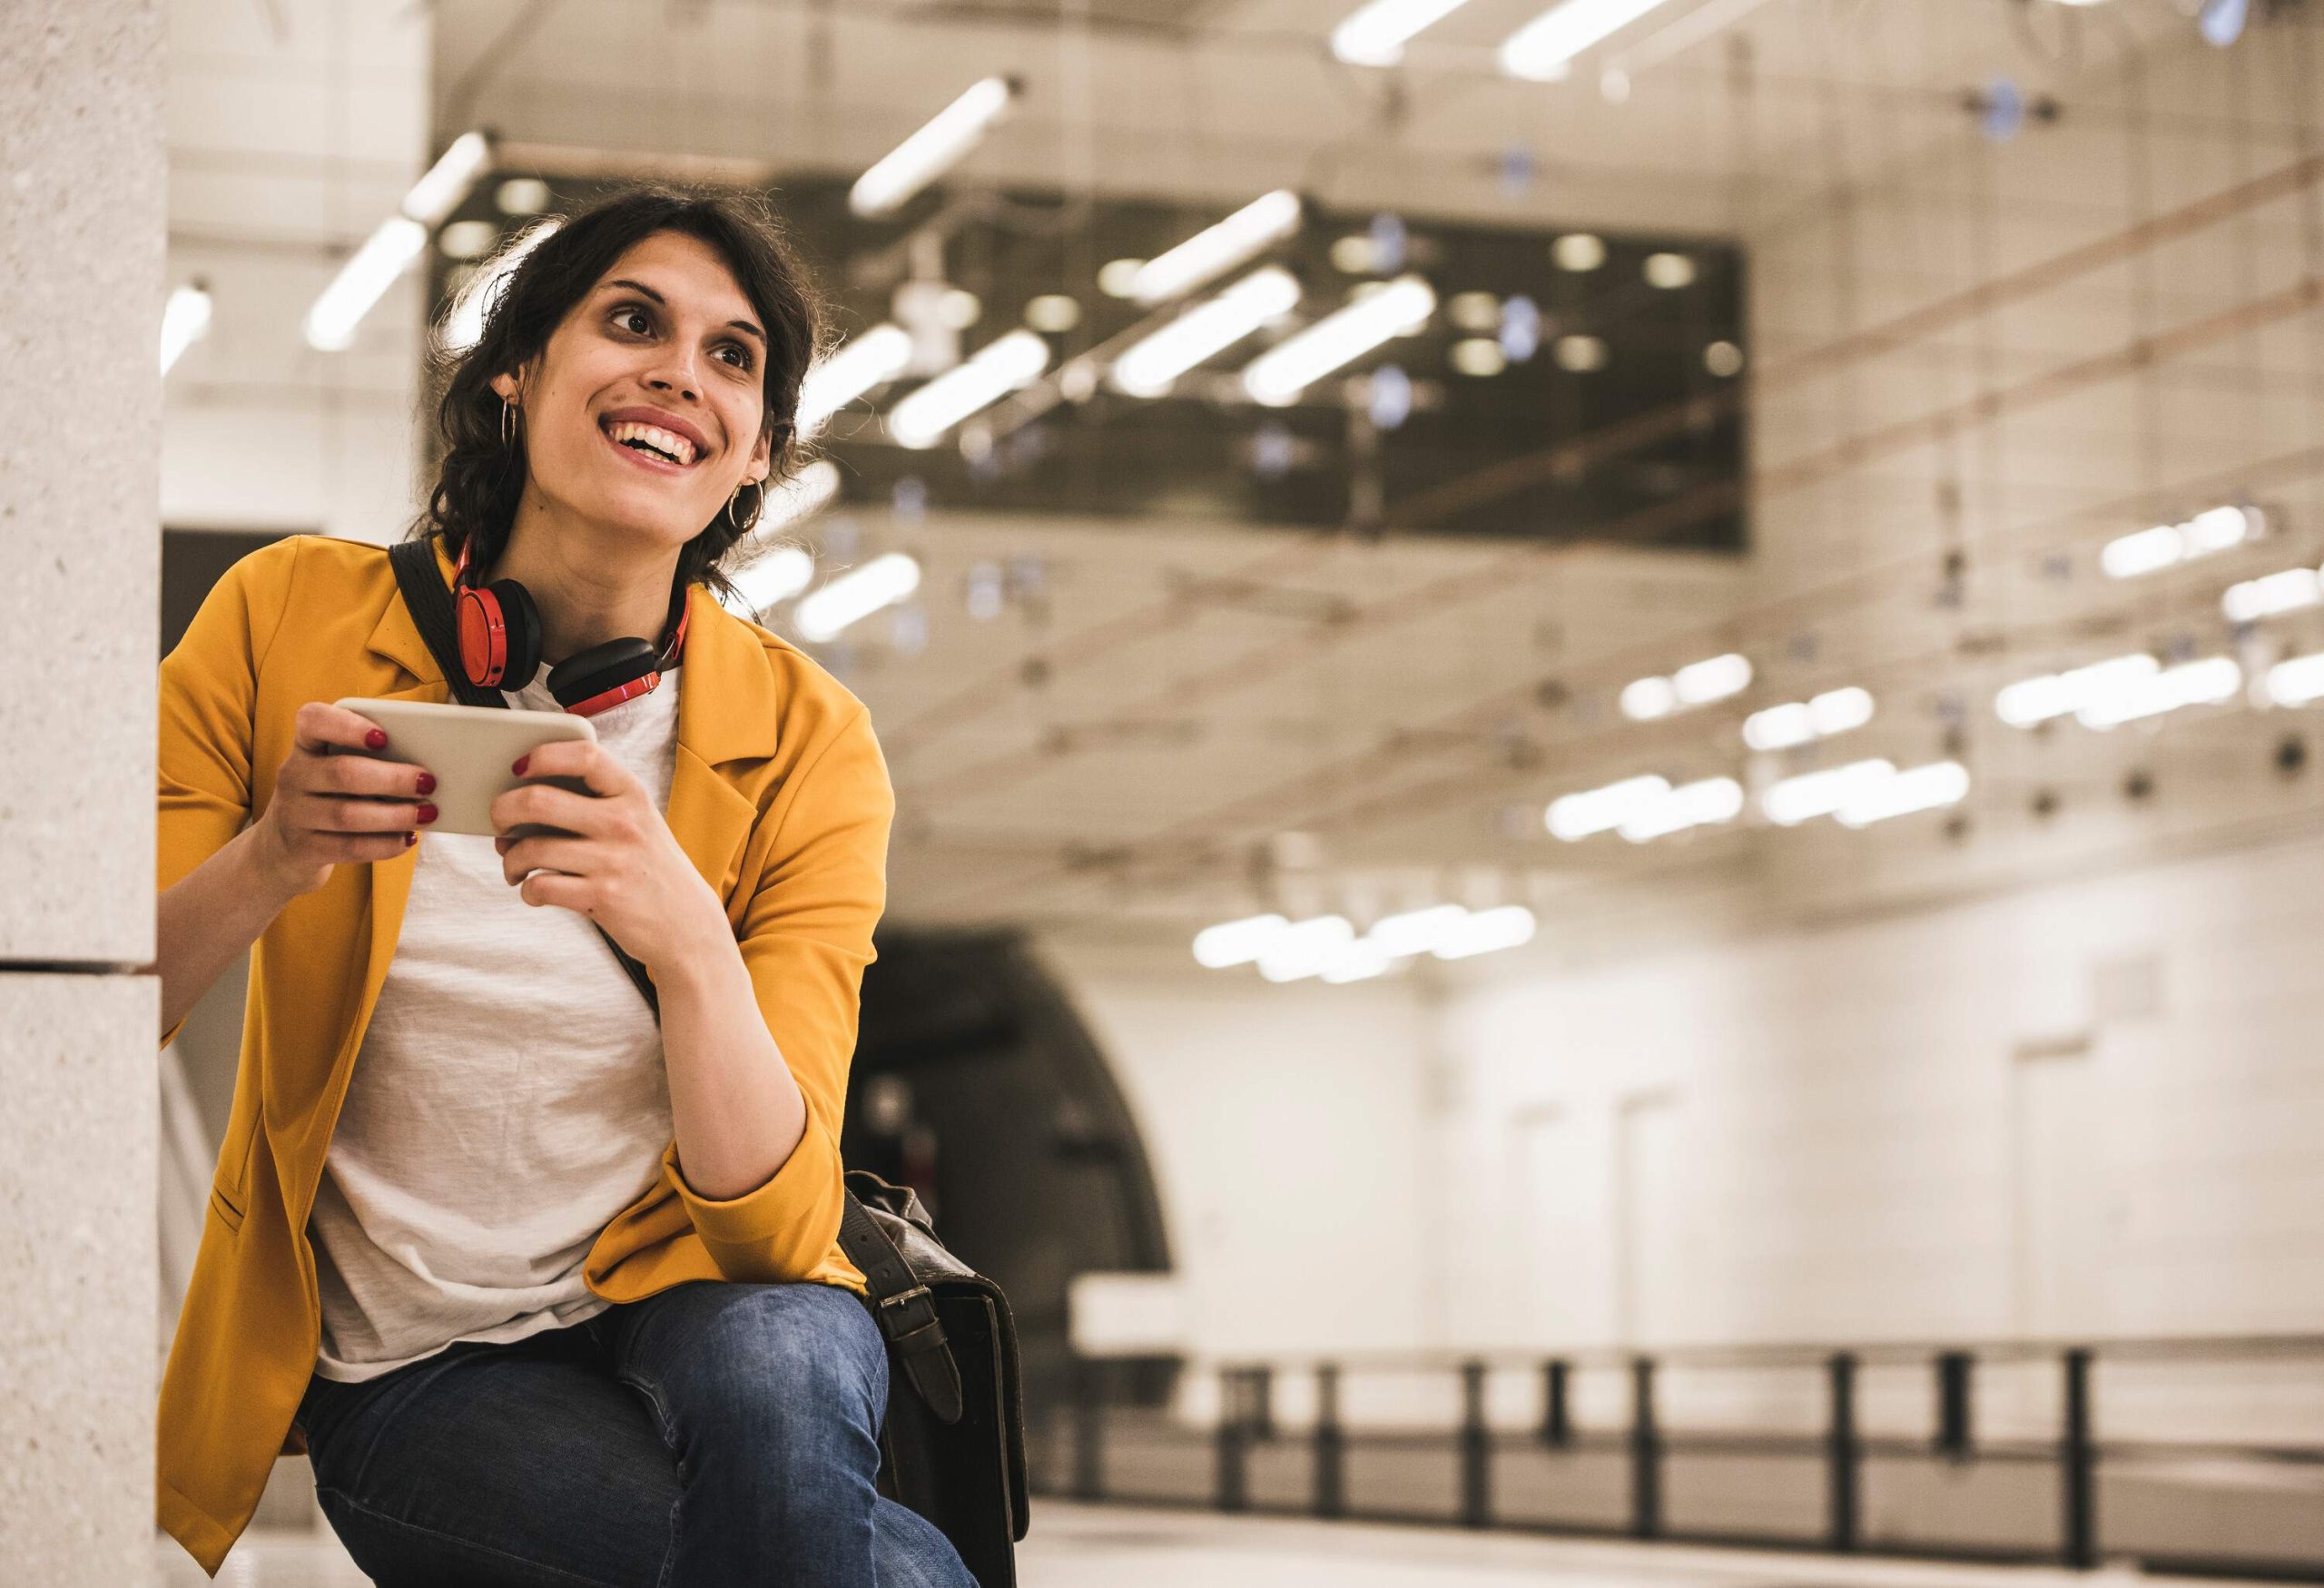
(469, 748)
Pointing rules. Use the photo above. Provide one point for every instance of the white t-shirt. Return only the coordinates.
(507, 1102)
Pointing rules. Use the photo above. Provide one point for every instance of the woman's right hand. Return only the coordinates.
(331, 808)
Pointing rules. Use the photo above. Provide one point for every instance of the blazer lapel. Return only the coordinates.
(726, 712)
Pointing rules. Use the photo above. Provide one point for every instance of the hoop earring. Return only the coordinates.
(506, 422)
(737, 497)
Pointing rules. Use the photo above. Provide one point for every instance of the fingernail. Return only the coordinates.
(519, 767)
(426, 782)
(427, 814)
(410, 838)
(377, 739)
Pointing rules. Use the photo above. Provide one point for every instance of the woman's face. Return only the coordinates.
(666, 340)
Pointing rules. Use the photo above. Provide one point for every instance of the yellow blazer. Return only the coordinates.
(780, 799)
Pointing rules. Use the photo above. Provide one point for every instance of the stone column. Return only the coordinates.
(82, 171)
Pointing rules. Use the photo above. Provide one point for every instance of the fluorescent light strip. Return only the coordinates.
(1236, 942)
(185, 319)
(1304, 948)
(466, 323)
(2288, 591)
(933, 150)
(1153, 362)
(873, 359)
(1716, 678)
(1923, 788)
(2296, 681)
(2032, 701)
(1375, 34)
(440, 192)
(1542, 48)
(2204, 682)
(1279, 375)
(1697, 804)
(773, 578)
(1212, 253)
(1823, 794)
(1577, 816)
(855, 595)
(1487, 931)
(2150, 552)
(1801, 721)
(385, 254)
(998, 368)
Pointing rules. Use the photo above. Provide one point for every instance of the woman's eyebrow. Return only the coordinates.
(641, 287)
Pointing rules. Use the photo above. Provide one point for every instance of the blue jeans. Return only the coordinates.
(713, 1434)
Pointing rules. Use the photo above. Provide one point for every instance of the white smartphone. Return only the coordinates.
(469, 748)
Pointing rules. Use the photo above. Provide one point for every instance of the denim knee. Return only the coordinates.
(800, 1355)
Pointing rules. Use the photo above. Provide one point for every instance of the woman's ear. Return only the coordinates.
(507, 385)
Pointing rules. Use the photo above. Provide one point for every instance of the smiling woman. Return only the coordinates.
(550, 1290)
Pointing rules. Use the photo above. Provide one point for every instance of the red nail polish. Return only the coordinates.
(377, 739)
(427, 782)
(519, 768)
(410, 838)
(427, 814)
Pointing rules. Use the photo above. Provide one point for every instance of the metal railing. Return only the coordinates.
(1649, 1443)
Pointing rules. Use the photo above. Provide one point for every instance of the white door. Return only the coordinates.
(1564, 1204)
(2059, 1192)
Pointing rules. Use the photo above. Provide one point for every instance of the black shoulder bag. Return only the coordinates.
(954, 1444)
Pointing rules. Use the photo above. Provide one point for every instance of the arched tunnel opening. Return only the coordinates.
(978, 1084)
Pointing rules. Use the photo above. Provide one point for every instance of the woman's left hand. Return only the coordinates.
(616, 860)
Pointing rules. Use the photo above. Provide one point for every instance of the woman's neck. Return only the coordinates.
(590, 584)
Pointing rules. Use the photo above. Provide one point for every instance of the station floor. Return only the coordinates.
(1071, 1546)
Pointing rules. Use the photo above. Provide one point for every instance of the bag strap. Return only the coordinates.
(905, 1309)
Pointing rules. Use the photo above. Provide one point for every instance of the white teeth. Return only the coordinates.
(668, 441)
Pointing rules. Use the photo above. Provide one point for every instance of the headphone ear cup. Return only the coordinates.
(500, 635)
(586, 682)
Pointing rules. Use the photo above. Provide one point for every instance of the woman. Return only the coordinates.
(549, 1294)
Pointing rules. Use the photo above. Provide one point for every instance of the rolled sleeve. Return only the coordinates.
(806, 936)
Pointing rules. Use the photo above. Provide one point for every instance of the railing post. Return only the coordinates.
(1476, 1449)
(2077, 1465)
(1845, 1453)
(1953, 1404)
(1089, 1430)
(1331, 1444)
(1262, 1423)
(1646, 1454)
(1557, 1420)
(1233, 1437)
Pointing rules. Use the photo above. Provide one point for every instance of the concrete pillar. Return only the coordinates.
(81, 289)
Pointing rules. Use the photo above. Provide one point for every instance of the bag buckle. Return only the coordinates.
(901, 1297)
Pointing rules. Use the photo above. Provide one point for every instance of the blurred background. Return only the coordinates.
(1604, 716)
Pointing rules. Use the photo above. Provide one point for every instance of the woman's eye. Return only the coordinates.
(631, 314)
(742, 360)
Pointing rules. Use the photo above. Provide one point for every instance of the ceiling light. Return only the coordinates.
(1542, 48)
(465, 324)
(2265, 597)
(2055, 694)
(185, 319)
(798, 498)
(1577, 816)
(2222, 22)
(2298, 681)
(998, 368)
(373, 268)
(856, 595)
(1579, 251)
(873, 359)
(1904, 793)
(1236, 942)
(1702, 683)
(440, 192)
(959, 309)
(1054, 312)
(1415, 931)
(1476, 311)
(1724, 359)
(933, 150)
(467, 239)
(1580, 355)
(1150, 365)
(1305, 947)
(2148, 551)
(1644, 700)
(1697, 804)
(1823, 794)
(1479, 355)
(1352, 255)
(1486, 931)
(771, 579)
(1782, 728)
(2204, 682)
(1212, 253)
(1114, 276)
(1375, 34)
(1668, 272)
(1279, 375)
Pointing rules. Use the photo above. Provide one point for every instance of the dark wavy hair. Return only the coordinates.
(481, 478)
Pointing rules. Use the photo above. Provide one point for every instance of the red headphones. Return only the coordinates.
(500, 647)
